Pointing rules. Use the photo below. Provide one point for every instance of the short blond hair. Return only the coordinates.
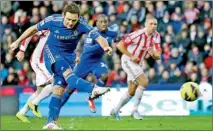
(150, 17)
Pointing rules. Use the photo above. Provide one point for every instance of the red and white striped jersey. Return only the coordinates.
(139, 42)
(37, 55)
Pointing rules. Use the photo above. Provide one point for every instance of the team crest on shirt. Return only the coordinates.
(75, 32)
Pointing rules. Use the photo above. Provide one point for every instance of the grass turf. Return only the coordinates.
(108, 123)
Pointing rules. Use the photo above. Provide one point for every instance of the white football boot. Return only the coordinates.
(52, 126)
(98, 91)
(136, 115)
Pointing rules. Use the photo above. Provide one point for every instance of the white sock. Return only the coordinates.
(26, 108)
(138, 96)
(124, 99)
(47, 90)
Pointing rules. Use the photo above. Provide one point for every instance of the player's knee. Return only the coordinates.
(58, 90)
(104, 77)
(143, 81)
(60, 68)
(132, 91)
(67, 72)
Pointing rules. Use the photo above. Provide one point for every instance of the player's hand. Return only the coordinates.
(108, 50)
(151, 51)
(135, 59)
(20, 56)
(14, 45)
(77, 60)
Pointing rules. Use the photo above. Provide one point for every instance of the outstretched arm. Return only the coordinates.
(104, 44)
(28, 33)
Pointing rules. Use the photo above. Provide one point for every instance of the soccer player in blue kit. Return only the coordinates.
(91, 60)
(65, 33)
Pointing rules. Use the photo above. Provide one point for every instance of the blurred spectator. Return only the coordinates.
(175, 57)
(3, 72)
(135, 25)
(22, 78)
(163, 23)
(195, 55)
(166, 53)
(10, 80)
(152, 76)
(200, 40)
(35, 11)
(208, 60)
(193, 77)
(9, 36)
(137, 10)
(165, 78)
(176, 18)
(205, 76)
(190, 13)
(122, 16)
(177, 77)
(183, 40)
(6, 7)
(206, 11)
(4, 24)
(209, 37)
(160, 10)
(43, 12)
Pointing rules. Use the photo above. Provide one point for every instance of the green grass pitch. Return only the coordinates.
(108, 123)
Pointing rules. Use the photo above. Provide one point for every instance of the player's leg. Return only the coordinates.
(133, 71)
(81, 70)
(46, 91)
(66, 95)
(142, 82)
(100, 70)
(43, 77)
(124, 99)
(55, 103)
(21, 115)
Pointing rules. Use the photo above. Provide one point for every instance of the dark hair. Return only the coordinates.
(71, 8)
(101, 16)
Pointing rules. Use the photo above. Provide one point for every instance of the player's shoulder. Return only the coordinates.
(84, 23)
(136, 33)
(113, 30)
(56, 17)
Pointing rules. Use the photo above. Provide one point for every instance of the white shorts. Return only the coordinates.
(132, 69)
(42, 75)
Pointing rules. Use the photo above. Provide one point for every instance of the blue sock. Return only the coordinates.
(78, 83)
(66, 96)
(100, 82)
(54, 108)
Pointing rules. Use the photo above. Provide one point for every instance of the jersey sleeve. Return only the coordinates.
(127, 40)
(157, 42)
(114, 28)
(45, 24)
(25, 43)
(93, 34)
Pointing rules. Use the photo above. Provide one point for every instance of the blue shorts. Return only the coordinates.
(58, 62)
(84, 67)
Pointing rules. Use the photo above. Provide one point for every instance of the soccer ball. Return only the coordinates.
(190, 91)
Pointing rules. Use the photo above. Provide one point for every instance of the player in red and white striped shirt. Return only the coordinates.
(135, 46)
(43, 77)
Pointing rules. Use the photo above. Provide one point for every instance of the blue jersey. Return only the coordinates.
(92, 50)
(61, 39)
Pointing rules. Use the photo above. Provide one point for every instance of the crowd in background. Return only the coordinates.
(185, 28)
